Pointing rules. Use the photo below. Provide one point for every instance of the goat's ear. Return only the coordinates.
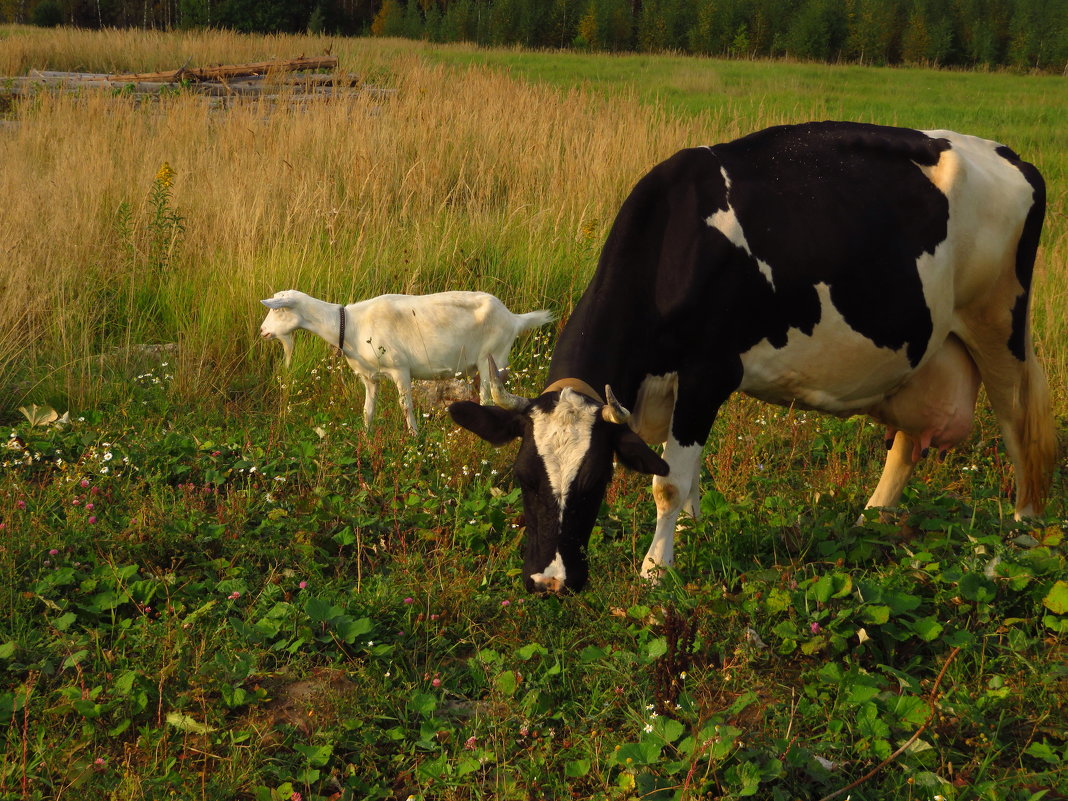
(277, 303)
(635, 454)
(495, 425)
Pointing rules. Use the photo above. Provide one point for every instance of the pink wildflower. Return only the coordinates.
(470, 744)
(815, 627)
(53, 551)
(84, 483)
(505, 602)
(21, 504)
(436, 682)
(89, 507)
(409, 600)
(92, 519)
(303, 585)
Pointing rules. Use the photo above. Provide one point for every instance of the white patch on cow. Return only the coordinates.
(554, 571)
(969, 174)
(728, 224)
(562, 438)
(859, 375)
(726, 178)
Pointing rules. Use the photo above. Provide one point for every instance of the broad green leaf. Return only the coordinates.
(823, 589)
(467, 765)
(317, 755)
(1044, 752)
(348, 629)
(423, 703)
(928, 628)
(576, 768)
(591, 653)
(977, 587)
(320, 610)
(124, 683)
(656, 648)
(187, 724)
(1056, 599)
(668, 728)
(344, 537)
(74, 659)
(7, 650)
(778, 600)
(860, 694)
(528, 651)
(870, 725)
(506, 682)
(875, 613)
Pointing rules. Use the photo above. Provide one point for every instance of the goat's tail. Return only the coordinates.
(534, 319)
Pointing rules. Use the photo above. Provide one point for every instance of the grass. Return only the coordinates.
(266, 600)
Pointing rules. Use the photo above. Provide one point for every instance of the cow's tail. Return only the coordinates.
(1039, 438)
(534, 319)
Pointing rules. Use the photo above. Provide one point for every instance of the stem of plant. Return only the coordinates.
(931, 697)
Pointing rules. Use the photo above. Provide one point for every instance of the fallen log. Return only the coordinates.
(227, 71)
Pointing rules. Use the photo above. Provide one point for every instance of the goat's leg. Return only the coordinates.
(370, 396)
(403, 379)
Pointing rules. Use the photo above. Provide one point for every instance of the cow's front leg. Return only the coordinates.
(672, 493)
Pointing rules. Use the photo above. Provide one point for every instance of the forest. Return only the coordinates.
(1029, 35)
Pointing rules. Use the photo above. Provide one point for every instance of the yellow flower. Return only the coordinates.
(165, 175)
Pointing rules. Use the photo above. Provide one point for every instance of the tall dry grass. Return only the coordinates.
(454, 179)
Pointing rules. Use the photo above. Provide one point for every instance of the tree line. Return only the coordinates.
(1024, 34)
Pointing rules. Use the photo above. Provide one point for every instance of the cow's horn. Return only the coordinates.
(613, 411)
(501, 396)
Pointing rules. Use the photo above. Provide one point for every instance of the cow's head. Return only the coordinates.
(283, 319)
(568, 441)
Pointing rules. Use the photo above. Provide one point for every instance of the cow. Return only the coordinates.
(842, 267)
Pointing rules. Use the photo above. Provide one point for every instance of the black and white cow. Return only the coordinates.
(848, 268)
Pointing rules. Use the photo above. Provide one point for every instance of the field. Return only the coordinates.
(215, 584)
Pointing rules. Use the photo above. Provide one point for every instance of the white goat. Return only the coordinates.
(405, 336)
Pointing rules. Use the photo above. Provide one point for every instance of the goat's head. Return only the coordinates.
(283, 319)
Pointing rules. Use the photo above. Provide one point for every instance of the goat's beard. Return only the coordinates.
(287, 347)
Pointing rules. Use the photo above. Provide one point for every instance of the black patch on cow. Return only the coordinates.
(1026, 250)
(845, 205)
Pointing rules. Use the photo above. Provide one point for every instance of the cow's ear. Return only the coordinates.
(632, 452)
(495, 425)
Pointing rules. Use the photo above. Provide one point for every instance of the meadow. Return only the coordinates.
(214, 583)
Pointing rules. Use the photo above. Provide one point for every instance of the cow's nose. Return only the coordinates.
(548, 585)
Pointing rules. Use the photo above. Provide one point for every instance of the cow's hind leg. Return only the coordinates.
(900, 462)
(1020, 397)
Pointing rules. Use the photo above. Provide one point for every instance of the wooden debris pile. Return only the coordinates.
(292, 79)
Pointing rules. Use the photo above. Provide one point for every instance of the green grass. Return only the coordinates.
(267, 600)
(1030, 112)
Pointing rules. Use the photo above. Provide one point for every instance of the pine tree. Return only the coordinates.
(389, 21)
